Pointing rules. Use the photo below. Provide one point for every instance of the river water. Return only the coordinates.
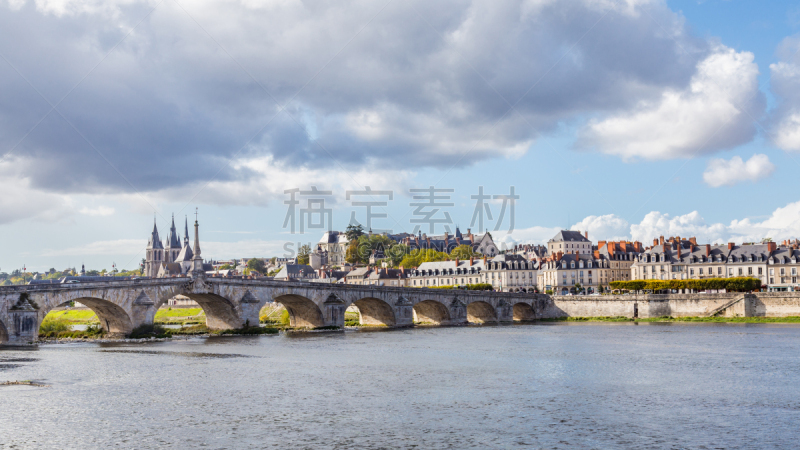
(590, 385)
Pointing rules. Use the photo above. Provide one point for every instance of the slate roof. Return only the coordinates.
(295, 271)
(333, 237)
(155, 241)
(186, 254)
(570, 236)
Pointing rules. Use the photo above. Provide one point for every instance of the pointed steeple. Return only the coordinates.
(155, 241)
(172, 239)
(186, 233)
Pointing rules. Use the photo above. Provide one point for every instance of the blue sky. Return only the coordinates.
(623, 119)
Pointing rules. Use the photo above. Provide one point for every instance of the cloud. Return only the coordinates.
(168, 109)
(715, 111)
(785, 83)
(728, 173)
(210, 249)
(783, 223)
(607, 227)
(114, 247)
(99, 211)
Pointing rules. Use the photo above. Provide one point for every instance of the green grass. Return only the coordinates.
(73, 316)
(179, 316)
(715, 319)
(53, 330)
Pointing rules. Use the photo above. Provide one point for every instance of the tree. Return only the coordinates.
(226, 267)
(352, 255)
(353, 232)
(257, 265)
(463, 251)
(397, 253)
(303, 254)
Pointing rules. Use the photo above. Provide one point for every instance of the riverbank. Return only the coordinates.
(715, 319)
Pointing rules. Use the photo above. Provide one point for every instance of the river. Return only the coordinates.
(559, 385)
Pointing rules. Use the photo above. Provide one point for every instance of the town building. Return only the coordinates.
(683, 259)
(334, 244)
(620, 256)
(510, 272)
(296, 272)
(480, 243)
(568, 241)
(447, 273)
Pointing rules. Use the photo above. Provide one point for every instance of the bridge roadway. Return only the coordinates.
(231, 303)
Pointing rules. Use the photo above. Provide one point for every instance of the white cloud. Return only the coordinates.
(209, 249)
(19, 200)
(99, 211)
(714, 112)
(783, 223)
(785, 83)
(727, 173)
(114, 247)
(607, 227)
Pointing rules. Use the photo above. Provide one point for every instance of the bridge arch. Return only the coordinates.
(374, 311)
(302, 311)
(431, 311)
(481, 312)
(220, 312)
(113, 318)
(523, 312)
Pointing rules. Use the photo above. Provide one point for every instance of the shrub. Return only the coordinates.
(737, 284)
(54, 326)
(148, 331)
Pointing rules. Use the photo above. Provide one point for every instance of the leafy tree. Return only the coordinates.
(464, 251)
(256, 264)
(397, 253)
(353, 232)
(227, 267)
(303, 254)
(352, 255)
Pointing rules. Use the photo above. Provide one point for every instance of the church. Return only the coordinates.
(171, 257)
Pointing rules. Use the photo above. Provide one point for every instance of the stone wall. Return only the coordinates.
(760, 304)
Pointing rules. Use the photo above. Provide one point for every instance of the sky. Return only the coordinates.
(625, 119)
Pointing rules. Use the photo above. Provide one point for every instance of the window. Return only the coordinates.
(701, 271)
(760, 270)
(719, 270)
(691, 271)
(740, 270)
(783, 271)
(794, 270)
(749, 270)
(771, 272)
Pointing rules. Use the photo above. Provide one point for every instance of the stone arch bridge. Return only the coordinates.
(228, 303)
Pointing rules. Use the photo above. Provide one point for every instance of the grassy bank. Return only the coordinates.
(715, 319)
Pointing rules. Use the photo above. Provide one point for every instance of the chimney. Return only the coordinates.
(623, 246)
(693, 240)
(601, 244)
(679, 250)
(730, 245)
(655, 242)
(772, 246)
(471, 261)
(637, 246)
(661, 240)
(586, 234)
(457, 262)
(708, 250)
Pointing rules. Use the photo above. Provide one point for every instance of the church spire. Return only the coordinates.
(186, 233)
